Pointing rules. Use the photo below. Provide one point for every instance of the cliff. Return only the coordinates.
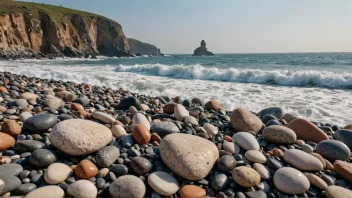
(141, 48)
(36, 30)
(202, 50)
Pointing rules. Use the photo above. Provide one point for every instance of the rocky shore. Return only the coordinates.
(63, 139)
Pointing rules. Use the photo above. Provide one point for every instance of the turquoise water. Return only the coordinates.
(316, 85)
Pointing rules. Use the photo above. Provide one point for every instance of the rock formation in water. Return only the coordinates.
(140, 48)
(41, 30)
(202, 50)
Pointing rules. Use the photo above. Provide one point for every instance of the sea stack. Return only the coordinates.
(202, 50)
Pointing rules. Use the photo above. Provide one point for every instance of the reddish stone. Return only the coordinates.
(84, 114)
(228, 138)
(86, 169)
(213, 105)
(169, 108)
(141, 134)
(3, 89)
(6, 141)
(156, 137)
(348, 127)
(192, 191)
(278, 152)
(307, 131)
(178, 99)
(11, 127)
(76, 106)
(344, 170)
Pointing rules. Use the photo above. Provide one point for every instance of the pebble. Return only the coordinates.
(302, 160)
(139, 118)
(333, 150)
(140, 165)
(53, 102)
(118, 131)
(275, 111)
(6, 141)
(245, 176)
(178, 153)
(191, 120)
(11, 182)
(49, 191)
(231, 147)
(262, 170)
(164, 128)
(180, 112)
(42, 158)
(192, 191)
(105, 118)
(27, 146)
(226, 163)
(210, 129)
(39, 123)
(82, 101)
(80, 137)
(345, 136)
(279, 135)
(57, 173)
(86, 169)
(307, 131)
(82, 189)
(337, 192)
(119, 169)
(28, 96)
(291, 181)
(169, 108)
(11, 127)
(141, 134)
(121, 187)
(244, 121)
(106, 156)
(307, 148)
(213, 105)
(343, 169)
(126, 103)
(316, 181)
(246, 141)
(25, 115)
(163, 183)
(255, 156)
(24, 189)
(290, 116)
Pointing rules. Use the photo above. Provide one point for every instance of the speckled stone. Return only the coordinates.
(82, 189)
(246, 177)
(279, 135)
(243, 120)
(106, 156)
(121, 187)
(333, 150)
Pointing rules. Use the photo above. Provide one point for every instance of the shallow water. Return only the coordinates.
(317, 86)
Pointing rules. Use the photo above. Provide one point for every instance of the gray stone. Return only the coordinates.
(107, 156)
(246, 141)
(127, 102)
(21, 103)
(42, 158)
(275, 111)
(121, 187)
(11, 183)
(291, 181)
(220, 182)
(333, 150)
(164, 128)
(27, 146)
(302, 160)
(119, 169)
(10, 169)
(345, 136)
(140, 165)
(39, 123)
(279, 135)
(231, 147)
(82, 101)
(226, 163)
(163, 183)
(25, 188)
(255, 194)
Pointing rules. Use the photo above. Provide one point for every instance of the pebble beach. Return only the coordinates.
(65, 139)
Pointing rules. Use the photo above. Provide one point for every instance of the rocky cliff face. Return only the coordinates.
(34, 31)
(141, 48)
(202, 50)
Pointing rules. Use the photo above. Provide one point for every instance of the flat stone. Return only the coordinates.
(11, 182)
(47, 191)
(29, 96)
(164, 128)
(291, 181)
(192, 191)
(178, 153)
(316, 181)
(140, 165)
(141, 134)
(127, 102)
(246, 141)
(24, 189)
(344, 170)
(275, 111)
(82, 188)
(231, 147)
(24, 146)
(255, 156)
(210, 129)
(279, 135)
(302, 160)
(262, 170)
(25, 115)
(39, 123)
(10, 170)
(307, 131)
(139, 118)
(337, 192)
(121, 187)
(21, 103)
(6, 141)
(245, 176)
(86, 169)
(105, 118)
(333, 150)
(345, 136)
(226, 163)
(57, 173)
(106, 156)
(118, 131)
(80, 137)
(53, 102)
(42, 158)
(244, 121)
(163, 183)
(180, 112)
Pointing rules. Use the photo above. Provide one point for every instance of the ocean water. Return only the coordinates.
(316, 85)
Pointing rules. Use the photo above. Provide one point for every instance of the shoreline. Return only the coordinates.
(103, 140)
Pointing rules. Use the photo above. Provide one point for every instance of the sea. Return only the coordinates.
(318, 86)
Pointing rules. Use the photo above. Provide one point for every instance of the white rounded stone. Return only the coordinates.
(180, 112)
(246, 141)
(53, 102)
(139, 118)
(57, 173)
(127, 186)
(163, 183)
(291, 181)
(302, 160)
(210, 129)
(255, 156)
(82, 189)
(107, 119)
(262, 170)
(25, 115)
(47, 192)
(231, 147)
(118, 131)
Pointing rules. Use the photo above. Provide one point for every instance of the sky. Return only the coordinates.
(230, 26)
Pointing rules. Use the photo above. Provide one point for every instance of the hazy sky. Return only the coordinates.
(230, 26)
